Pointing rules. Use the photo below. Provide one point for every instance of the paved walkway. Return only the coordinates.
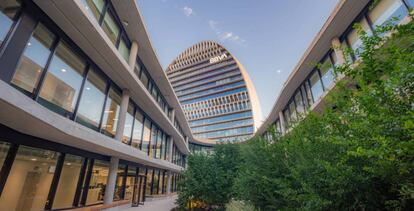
(165, 204)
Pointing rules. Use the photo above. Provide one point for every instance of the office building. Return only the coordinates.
(216, 94)
(87, 116)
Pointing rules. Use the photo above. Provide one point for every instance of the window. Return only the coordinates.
(292, 109)
(149, 182)
(94, 7)
(386, 10)
(410, 3)
(158, 145)
(300, 107)
(34, 59)
(137, 131)
(123, 48)
(167, 149)
(354, 38)
(8, 11)
(155, 182)
(111, 113)
(153, 141)
(144, 78)
(92, 100)
(316, 86)
(4, 149)
(63, 81)
(130, 181)
(129, 119)
(68, 180)
(146, 135)
(119, 182)
(286, 115)
(29, 181)
(97, 184)
(327, 73)
(111, 27)
(163, 146)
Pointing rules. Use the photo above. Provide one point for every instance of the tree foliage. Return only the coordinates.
(356, 155)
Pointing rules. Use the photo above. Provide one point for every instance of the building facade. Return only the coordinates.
(87, 116)
(307, 86)
(215, 93)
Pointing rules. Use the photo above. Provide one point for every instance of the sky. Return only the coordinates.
(268, 37)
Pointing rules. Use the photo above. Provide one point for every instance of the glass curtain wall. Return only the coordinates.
(8, 13)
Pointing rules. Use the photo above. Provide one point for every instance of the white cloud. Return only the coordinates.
(188, 11)
(225, 35)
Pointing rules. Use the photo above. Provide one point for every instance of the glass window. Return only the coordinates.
(327, 73)
(111, 113)
(8, 11)
(34, 59)
(286, 115)
(316, 86)
(68, 181)
(92, 100)
(160, 183)
(29, 181)
(149, 182)
(97, 183)
(129, 119)
(354, 38)
(153, 141)
(158, 146)
(130, 181)
(137, 131)
(410, 3)
(300, 107)
(94, 7)
(123, 48)
(146, 135)
(119, 180)
(292, 108)
(110, 27)
(163, 146)
(155, 182)
(63, 81)
(386, 10)
(167, 149)
(144, 79)
(4, 149)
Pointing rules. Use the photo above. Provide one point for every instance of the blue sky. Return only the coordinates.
(267, 36)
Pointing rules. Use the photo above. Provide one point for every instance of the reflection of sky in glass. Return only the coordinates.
(5, 24)
(37, 52)
(91, 103)
(67, 74)
(316, 86)
(397, 10)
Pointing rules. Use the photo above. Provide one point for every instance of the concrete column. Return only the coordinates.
(111, 181)
(170, 147)
(172, 115)
(133, 55)
(282, 122)
(169, 182)
(336, 45)
(122, 115)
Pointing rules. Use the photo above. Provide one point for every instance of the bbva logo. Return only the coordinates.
(218, 58)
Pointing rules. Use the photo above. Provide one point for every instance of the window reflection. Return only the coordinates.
(124, 49)
(68, 180)
(97, 184)
(354, 39)
(29, 181)
(26, 77)
(146, 136)
(137, 131)
(8, 11)
(386, 10)
(129, 119)
(92, 100)
(327, 73)
(316, 86)
(4, 149)
(119, 181)
(130, 182)
(94, 7)
(63, 81)
(110, 27)
(111, 113)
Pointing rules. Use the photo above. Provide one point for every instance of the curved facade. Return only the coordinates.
(216, 93)
(87, 115)
(307, 85)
